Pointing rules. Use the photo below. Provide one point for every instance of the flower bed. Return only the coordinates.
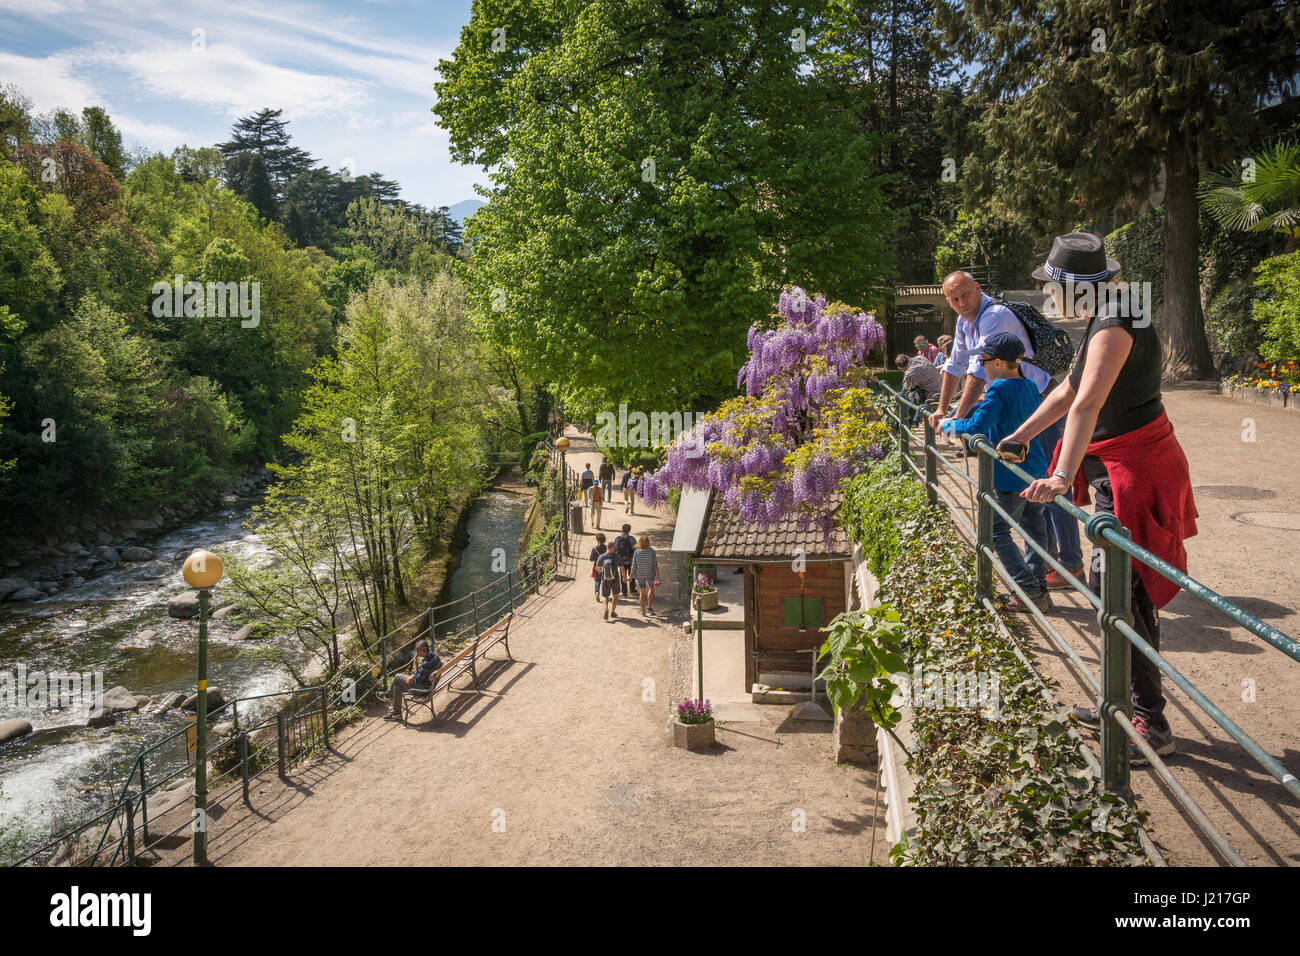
(1269, 385)
(1010, 790)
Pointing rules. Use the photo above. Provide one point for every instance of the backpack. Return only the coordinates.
(1053, 351)
(595, 494)
(624, 547)
(608, 572)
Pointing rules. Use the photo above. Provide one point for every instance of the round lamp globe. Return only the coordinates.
(202, 570)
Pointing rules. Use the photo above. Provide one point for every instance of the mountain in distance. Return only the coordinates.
(464, 209)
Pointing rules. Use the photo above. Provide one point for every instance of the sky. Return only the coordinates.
(355, 79)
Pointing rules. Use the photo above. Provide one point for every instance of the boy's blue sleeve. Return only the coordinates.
(985, 415)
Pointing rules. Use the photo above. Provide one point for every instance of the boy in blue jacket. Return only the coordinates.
(1008, 401)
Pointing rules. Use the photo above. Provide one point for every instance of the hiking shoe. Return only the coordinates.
(1057, 583)
(1014, 605)
(1160, 739)
(1090, 716)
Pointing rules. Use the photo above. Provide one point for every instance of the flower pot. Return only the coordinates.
(1227, 388)
(705, 600)
(692, 736)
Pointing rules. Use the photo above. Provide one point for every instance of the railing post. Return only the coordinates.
(234, 709)
(279, 741)
(130, 829)
(325, 714)
(931, 471)
(144, 806)
(510, 589)
(1116, 687)
(984, 528)
(243, 762)
(473, 604)
(904, 436)
(383, 662)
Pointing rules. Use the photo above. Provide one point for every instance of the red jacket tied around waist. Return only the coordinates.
(1152, 488)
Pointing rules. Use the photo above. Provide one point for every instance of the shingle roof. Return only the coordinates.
(730, 537)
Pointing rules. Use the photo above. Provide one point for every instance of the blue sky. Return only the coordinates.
(355, 79)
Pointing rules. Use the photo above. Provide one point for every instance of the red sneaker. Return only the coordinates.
(1057, 583)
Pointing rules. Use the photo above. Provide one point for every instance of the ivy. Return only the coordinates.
(1010, 789)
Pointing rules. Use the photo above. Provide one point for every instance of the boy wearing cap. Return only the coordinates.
(1008, 402)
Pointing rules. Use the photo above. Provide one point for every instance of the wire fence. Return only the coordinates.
(1112, 683)
(154, 809)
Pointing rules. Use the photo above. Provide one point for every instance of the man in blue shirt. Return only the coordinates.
(1009, 400)
(420, 677)
(978, 318)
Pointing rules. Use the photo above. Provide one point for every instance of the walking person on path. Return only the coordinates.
(597, 502)
(629, 493)
(596, 552)
(645, 569)
(625, 547)
(607, 479)
(1119, 441)
(588, 479)
(607, 573)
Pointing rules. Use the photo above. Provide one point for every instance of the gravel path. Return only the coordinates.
(564, 758)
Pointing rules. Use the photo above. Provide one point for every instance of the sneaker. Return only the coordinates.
(1057, 583)
(1160, 739)
(1014, 605)
(607, 612)
(1090, 716)
(613, 614)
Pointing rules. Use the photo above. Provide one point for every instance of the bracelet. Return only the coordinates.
(1062, 473)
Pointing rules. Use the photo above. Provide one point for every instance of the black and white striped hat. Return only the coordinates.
(1077, 257)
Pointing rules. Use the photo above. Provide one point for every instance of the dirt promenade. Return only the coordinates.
(562, 760)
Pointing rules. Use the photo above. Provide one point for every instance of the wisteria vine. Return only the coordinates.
(805, 423)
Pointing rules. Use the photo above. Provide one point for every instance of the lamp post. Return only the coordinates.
(202, 571)
(562, 445)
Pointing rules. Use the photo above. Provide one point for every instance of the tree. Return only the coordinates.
(100, 136)
(267, 136)
(659, 170)
(1086, 103)
(806, 423)
(246, 176)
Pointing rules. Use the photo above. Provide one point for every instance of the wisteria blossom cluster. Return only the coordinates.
(806, 422)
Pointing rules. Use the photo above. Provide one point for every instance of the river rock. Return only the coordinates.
(168, 702)
(184, 605)
(108, 555)
(145, 636)
(103, 538)
(223, 729)
(116, 699)
(215, 700)
(135, 553)
(143, 700)
(13, 729)
(101, 718)
(72, 547)
(222, 613)
(26, 594)
(9, 585)
(244, 633)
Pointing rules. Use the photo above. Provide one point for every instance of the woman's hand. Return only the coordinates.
(1045, 489)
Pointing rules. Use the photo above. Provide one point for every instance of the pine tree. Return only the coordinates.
(265, 134)
(1091, 103)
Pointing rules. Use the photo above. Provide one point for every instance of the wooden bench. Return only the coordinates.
(465, 659)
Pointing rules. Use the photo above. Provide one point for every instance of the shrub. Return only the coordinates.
(1279, 309)
(1231, 323)
(1139, 247)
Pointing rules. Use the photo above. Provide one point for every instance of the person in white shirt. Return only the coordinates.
(978, 318)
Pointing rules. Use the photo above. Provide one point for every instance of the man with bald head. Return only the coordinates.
(978, 317)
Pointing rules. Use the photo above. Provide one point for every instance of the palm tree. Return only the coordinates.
(1241, 204)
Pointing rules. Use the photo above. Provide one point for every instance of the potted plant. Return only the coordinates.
(693, 725)
(704, 593)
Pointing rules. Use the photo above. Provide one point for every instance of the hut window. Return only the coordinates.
(801, 612)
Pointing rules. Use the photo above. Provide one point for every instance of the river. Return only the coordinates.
(101, 625)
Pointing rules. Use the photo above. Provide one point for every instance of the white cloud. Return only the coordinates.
(50, 81)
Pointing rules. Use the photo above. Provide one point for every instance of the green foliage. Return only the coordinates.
(864, 650)
(1231, 322)
(1279, 278)
(1013, 790)
(883, 508)
(987, 239)
(1139, 248)
(651, 206)
(1266, 200)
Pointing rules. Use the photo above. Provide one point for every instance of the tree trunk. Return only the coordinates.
(1187, 352)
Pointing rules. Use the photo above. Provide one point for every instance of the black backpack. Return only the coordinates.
(1053, 351)
(608, 572)
(624, 546)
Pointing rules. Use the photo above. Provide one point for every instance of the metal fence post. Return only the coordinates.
(130, 828)
(383, 662)
(473, 604)
(904, 436)
(279, 740)
(243, 761)
(1116, 687)
(931, 471)
(325, 714)
(984, 529)
(144, 806)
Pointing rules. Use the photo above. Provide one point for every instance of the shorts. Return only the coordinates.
(645, 584)
(610, 588)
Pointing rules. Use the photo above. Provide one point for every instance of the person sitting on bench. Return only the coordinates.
(421, 677)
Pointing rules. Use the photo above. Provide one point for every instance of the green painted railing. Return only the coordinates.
(302, 723)
(1112, 685)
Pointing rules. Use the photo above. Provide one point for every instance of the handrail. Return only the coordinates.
(553, 548)
(1114, 616)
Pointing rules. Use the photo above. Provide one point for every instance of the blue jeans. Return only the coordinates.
(1029, 570)
(1062, 527)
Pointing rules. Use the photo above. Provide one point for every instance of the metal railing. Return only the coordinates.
(277, 737)
(1112, 685)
